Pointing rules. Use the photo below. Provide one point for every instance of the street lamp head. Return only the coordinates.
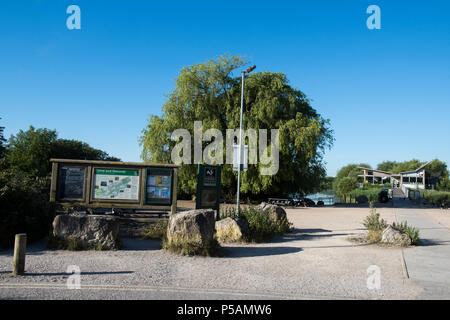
(250, 69)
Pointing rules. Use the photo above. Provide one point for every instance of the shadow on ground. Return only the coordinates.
(306, 234)
(247, 252)
(133, 244)
(432, 242)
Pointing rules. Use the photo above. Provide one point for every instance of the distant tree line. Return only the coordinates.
(25, 179)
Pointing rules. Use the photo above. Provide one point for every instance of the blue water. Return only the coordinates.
(328, 199)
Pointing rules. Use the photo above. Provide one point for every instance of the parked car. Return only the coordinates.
(383, 196)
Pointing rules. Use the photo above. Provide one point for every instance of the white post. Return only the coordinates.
(240, 144)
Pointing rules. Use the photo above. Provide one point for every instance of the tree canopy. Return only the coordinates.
(387, 165)
(349, 171)
(30, 151)
(210, 92)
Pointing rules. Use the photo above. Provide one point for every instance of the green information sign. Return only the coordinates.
(208, 187)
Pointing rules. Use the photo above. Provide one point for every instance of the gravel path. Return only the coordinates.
(313, 262)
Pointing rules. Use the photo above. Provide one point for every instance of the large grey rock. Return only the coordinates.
(194, 226)
(277, 213)
(396, 237)
(231, 230)
(92, 231)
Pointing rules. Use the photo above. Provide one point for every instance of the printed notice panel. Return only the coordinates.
(208, 198)
(159, 186)
(71, 182)
(116, 184)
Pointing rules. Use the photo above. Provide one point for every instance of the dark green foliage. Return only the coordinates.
(407, 166)
(73, 149)
(438, 198)
(349, 171)
(24, 206)
(346, 185)
(30, 151)
(326, 184)
(387, 165)
(262, 227)
(371, 193)
(412, 232)
(444, 185)
(2, 143)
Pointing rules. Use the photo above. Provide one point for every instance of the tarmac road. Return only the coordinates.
(428, 264)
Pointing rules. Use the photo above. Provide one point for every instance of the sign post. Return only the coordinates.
(208, 187)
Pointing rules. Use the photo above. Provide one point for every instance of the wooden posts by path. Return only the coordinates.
(20, 246)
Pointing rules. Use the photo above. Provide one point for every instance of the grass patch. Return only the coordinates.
(157, 230)
(194, 247)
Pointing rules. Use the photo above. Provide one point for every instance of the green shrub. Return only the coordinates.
(412, 232)
(24, 206)
(157, 230)
(373, 222)
(438, 198)
(262, 226)
(374, 236)
(371, 194)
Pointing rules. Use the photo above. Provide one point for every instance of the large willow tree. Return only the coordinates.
(210, 92)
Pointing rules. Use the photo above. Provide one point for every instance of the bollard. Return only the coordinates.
(20, 246)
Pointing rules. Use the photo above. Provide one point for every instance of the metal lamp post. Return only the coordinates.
(247, 71)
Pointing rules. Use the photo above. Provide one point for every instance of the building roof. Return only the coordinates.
(362, 168)
(418, 169)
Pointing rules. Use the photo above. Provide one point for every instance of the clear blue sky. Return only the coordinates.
(386, 92)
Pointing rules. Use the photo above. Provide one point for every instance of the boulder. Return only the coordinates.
(231, 230)
(91, 231)
(277, 213)
(194, 226)
(392, 236)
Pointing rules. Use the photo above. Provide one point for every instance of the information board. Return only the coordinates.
(71, 182)
(208, 187)
(159, 186)
(120, 184)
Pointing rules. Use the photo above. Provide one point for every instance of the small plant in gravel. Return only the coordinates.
(374, 225)
(373, 222)
(412, 232)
